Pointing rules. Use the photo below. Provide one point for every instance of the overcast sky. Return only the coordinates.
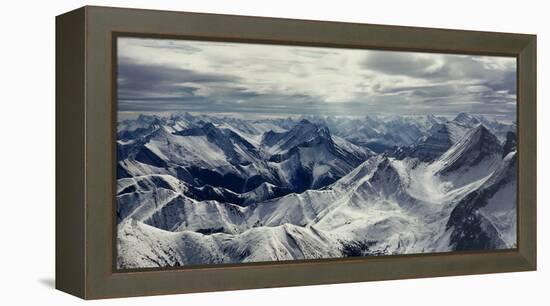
(162, 75)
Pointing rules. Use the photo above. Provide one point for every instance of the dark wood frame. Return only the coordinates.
(85, 151)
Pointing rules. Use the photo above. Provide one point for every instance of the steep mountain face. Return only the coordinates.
(380, 134)
(304, 131)
(201, 156)
(442, 136)
(227, 164)
(485, 218)
(199, 189)
(308, 157)
(472, 158)
(430, 148)
(466, 120)
(510, 144)
(235, 148)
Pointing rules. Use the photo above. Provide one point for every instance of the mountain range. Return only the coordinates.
(205, 189)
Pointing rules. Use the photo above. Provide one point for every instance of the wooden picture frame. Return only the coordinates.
(85, 151)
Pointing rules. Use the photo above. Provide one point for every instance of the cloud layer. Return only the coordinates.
(176, 75)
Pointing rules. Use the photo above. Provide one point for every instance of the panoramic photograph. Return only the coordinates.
(235, 153)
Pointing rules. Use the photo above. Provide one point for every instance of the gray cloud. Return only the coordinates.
(137, 80)
(435, 67)
(450, 77)
(165, 75)
(398, 63)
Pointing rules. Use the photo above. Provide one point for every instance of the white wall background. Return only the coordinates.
(27, 152)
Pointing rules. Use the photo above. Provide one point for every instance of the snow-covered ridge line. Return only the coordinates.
(213, 189)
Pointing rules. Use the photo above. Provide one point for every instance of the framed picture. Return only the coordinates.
(200, 152)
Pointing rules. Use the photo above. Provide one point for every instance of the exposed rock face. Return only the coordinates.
(206, 190)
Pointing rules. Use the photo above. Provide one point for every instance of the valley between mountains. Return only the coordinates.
(196, 189)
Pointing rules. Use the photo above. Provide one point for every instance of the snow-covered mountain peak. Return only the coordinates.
(303, 132)
(476, 154)
(466, 119)
(478, 141)
(145, 118)
(432, 119)
(431, 147)
(387, 179)
(485, 133)
(187, 116)
(217, 189)
(212, 131)
(157, 122)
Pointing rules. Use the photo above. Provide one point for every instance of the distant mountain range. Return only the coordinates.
(204, 189)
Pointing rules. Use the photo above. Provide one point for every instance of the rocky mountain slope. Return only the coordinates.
(201, 189)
